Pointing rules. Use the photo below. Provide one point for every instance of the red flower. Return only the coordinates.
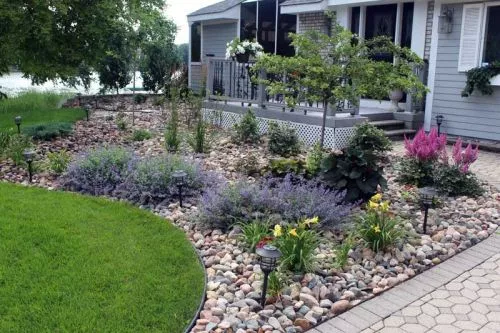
(264, 241)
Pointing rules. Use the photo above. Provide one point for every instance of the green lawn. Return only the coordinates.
(36, 108)
(71, 263)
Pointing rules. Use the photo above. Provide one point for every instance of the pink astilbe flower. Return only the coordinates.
(464, 158)
(425, 147)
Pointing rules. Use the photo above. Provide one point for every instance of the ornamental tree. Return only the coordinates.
(338, 67)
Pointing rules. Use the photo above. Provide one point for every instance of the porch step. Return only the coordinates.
(388, 125)
(399, 134)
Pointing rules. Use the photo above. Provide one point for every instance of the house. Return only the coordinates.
(452, 36)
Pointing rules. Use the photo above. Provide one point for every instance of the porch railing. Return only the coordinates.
(231, 81)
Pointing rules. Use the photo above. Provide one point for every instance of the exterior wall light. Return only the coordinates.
(268, 258)
(446, 21)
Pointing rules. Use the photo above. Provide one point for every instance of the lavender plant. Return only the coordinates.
(98, 171)
(292, 197)
(150, 179)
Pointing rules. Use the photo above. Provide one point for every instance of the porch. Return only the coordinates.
(231, 89)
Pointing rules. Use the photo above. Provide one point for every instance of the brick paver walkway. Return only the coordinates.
(487, 166)
(460, 295)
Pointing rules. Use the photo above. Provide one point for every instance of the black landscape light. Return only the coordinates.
(179, 177)
(268, 257)
(18, 120)
(87, 110)
(439, 122)
(28, 155)
(427, 195)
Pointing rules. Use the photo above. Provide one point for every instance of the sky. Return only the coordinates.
(177, 10)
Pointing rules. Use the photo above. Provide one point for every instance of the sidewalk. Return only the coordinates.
(460, 295)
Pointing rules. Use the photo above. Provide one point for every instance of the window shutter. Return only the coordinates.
(470, 37)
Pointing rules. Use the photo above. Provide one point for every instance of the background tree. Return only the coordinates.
(65, 39)
(335, 68)
(115, 68)
(183, 50)
(160, 57)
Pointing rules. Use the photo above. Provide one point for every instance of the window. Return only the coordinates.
(196, 42)
(248, 20)
(492, 35)
(407, 24)
(267, 25)
(381, 21)
(286, 24)
(355, 15)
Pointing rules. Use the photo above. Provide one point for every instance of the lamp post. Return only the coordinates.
(28, 155)
(87, 110)
(439, 121)
(179, 177)
(268, 257)
(427, 195)
(18, 120)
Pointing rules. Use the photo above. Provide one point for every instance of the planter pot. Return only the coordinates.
(395, 96)
(243, 58)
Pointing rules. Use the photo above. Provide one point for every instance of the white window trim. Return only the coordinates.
(483, 29)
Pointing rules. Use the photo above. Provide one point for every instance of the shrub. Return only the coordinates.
(150, 179)
(283, 166)
(451, 180)
(16, 144)
(378, 228)
(292, 197)
(98, 171)
(4, 142)
(297, 244)
(172, 140)
(199, 139)
(248, 164)
(358, 169)
(139, 98)
(247, 130)
(48, 131)
(369, 137)
(58, 161)
(313, 160)
(411, 171)
(253, 232)
(141, 135)
(121, 123)
(283, 140)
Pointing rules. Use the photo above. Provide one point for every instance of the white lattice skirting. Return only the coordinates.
(336, 138)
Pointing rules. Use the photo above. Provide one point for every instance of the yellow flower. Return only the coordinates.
(376, 198)
(277, 230)
(313, 220)
(376, 228)
(372, 205)
(384, 206)
(293, 232)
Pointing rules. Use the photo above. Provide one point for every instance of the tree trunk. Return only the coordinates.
(323, 123)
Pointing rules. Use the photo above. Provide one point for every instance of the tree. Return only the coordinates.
(335, 68)
(183, 50)
(65, 39)
(115, 67)
(160, 57)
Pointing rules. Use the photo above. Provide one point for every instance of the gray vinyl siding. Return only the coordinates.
(215, 37)
(196, 79)
(477, 116)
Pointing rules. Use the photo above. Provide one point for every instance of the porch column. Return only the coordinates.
(399, 24)
(343, 16)
(362, 21)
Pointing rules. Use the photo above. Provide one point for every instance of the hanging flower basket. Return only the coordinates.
(242, 58)
(241, 51)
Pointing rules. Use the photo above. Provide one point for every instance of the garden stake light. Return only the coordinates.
(87, 110)
(17, 120)
(427, 194)
(28, 155)
(268, 257)
(179, 177)
(439, 121)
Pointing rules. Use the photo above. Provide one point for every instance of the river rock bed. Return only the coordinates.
(234, 275)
